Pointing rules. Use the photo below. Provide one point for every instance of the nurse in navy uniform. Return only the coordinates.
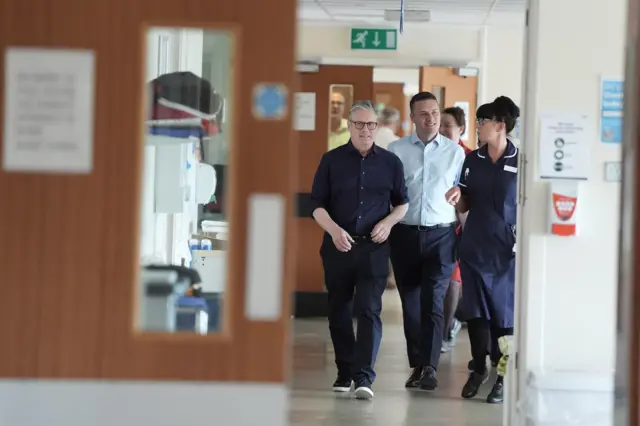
(488, 191)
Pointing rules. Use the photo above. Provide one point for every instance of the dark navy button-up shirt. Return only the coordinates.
(358, 191)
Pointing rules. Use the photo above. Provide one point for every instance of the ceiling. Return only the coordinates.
(443, 12)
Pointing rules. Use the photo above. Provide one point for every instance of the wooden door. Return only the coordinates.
(309, 282)
(452, 88)
(69, 244)
(392, 94)
(627, 371)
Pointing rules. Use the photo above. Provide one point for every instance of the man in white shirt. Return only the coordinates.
(423, 244)
(388, 118)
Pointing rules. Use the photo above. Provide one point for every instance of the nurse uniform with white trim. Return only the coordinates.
(487, 247)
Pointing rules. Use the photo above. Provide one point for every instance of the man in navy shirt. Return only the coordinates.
(359, 194)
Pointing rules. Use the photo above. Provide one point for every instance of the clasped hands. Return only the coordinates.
(343, 241)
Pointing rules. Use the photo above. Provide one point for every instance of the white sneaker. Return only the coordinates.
(364, 392)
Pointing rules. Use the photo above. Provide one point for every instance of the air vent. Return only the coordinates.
(393, 15)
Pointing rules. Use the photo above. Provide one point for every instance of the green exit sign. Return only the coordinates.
(374, 39)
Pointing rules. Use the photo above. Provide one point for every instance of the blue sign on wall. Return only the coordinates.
(270, 101)
(611, 110)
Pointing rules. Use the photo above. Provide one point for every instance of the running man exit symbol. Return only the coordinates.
(373, 39)
(361, 39)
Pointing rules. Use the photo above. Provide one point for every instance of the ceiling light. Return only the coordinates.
(393, 15)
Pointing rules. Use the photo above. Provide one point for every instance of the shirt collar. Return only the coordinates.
(510, 152)
(352, 149)
(415, 139)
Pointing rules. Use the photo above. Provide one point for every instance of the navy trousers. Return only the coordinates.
(423, 261)
(355, 282)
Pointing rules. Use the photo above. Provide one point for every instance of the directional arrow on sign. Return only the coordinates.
(376, 39)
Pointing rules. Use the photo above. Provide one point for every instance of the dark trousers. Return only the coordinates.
(483, 335)
(355, 282)
(423, 261)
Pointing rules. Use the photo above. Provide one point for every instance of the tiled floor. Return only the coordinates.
(313, 403)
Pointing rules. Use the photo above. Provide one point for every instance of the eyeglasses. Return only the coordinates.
(371, 125)
(481, 121)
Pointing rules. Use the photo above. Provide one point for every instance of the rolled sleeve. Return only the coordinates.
(321, 189)
(399, 195)
(458, 163)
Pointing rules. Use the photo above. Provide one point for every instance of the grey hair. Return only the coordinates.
(362, 106)
(389, 115)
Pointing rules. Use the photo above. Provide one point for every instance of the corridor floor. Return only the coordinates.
(313, 403)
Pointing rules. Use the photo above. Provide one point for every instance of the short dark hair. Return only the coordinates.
(458, 115)
(422, 96)
(503, 110)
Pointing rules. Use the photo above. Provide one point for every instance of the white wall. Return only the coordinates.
(501, 65)
(569, 285)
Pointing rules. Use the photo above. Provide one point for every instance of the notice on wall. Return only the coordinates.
(48, 110)
(464, 106)
(564, 146)
(611, 109)
(305, 116)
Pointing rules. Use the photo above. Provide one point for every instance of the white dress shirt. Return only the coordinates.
(430, 171)
(385, 136)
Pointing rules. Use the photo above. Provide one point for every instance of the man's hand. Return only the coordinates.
(342, 240)
(380, 232)
(453, 196)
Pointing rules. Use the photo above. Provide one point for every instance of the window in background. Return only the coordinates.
(340, 101)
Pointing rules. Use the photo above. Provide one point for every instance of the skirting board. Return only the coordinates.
(102, 403)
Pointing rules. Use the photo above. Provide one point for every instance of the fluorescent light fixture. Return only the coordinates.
(393, 15)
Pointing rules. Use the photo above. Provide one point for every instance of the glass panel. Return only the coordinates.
(438, 92)
(184, 221)
(340, 100)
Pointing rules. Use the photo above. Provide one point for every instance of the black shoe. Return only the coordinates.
(473, 384)
(414, 379)
(496, 396)
(342, 384)
(363, 389)
(428, 380)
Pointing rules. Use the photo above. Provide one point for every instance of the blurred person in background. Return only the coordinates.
(452, 125)
(388, 118)
(339, 126)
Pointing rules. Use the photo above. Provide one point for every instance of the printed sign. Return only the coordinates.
(611, 110)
